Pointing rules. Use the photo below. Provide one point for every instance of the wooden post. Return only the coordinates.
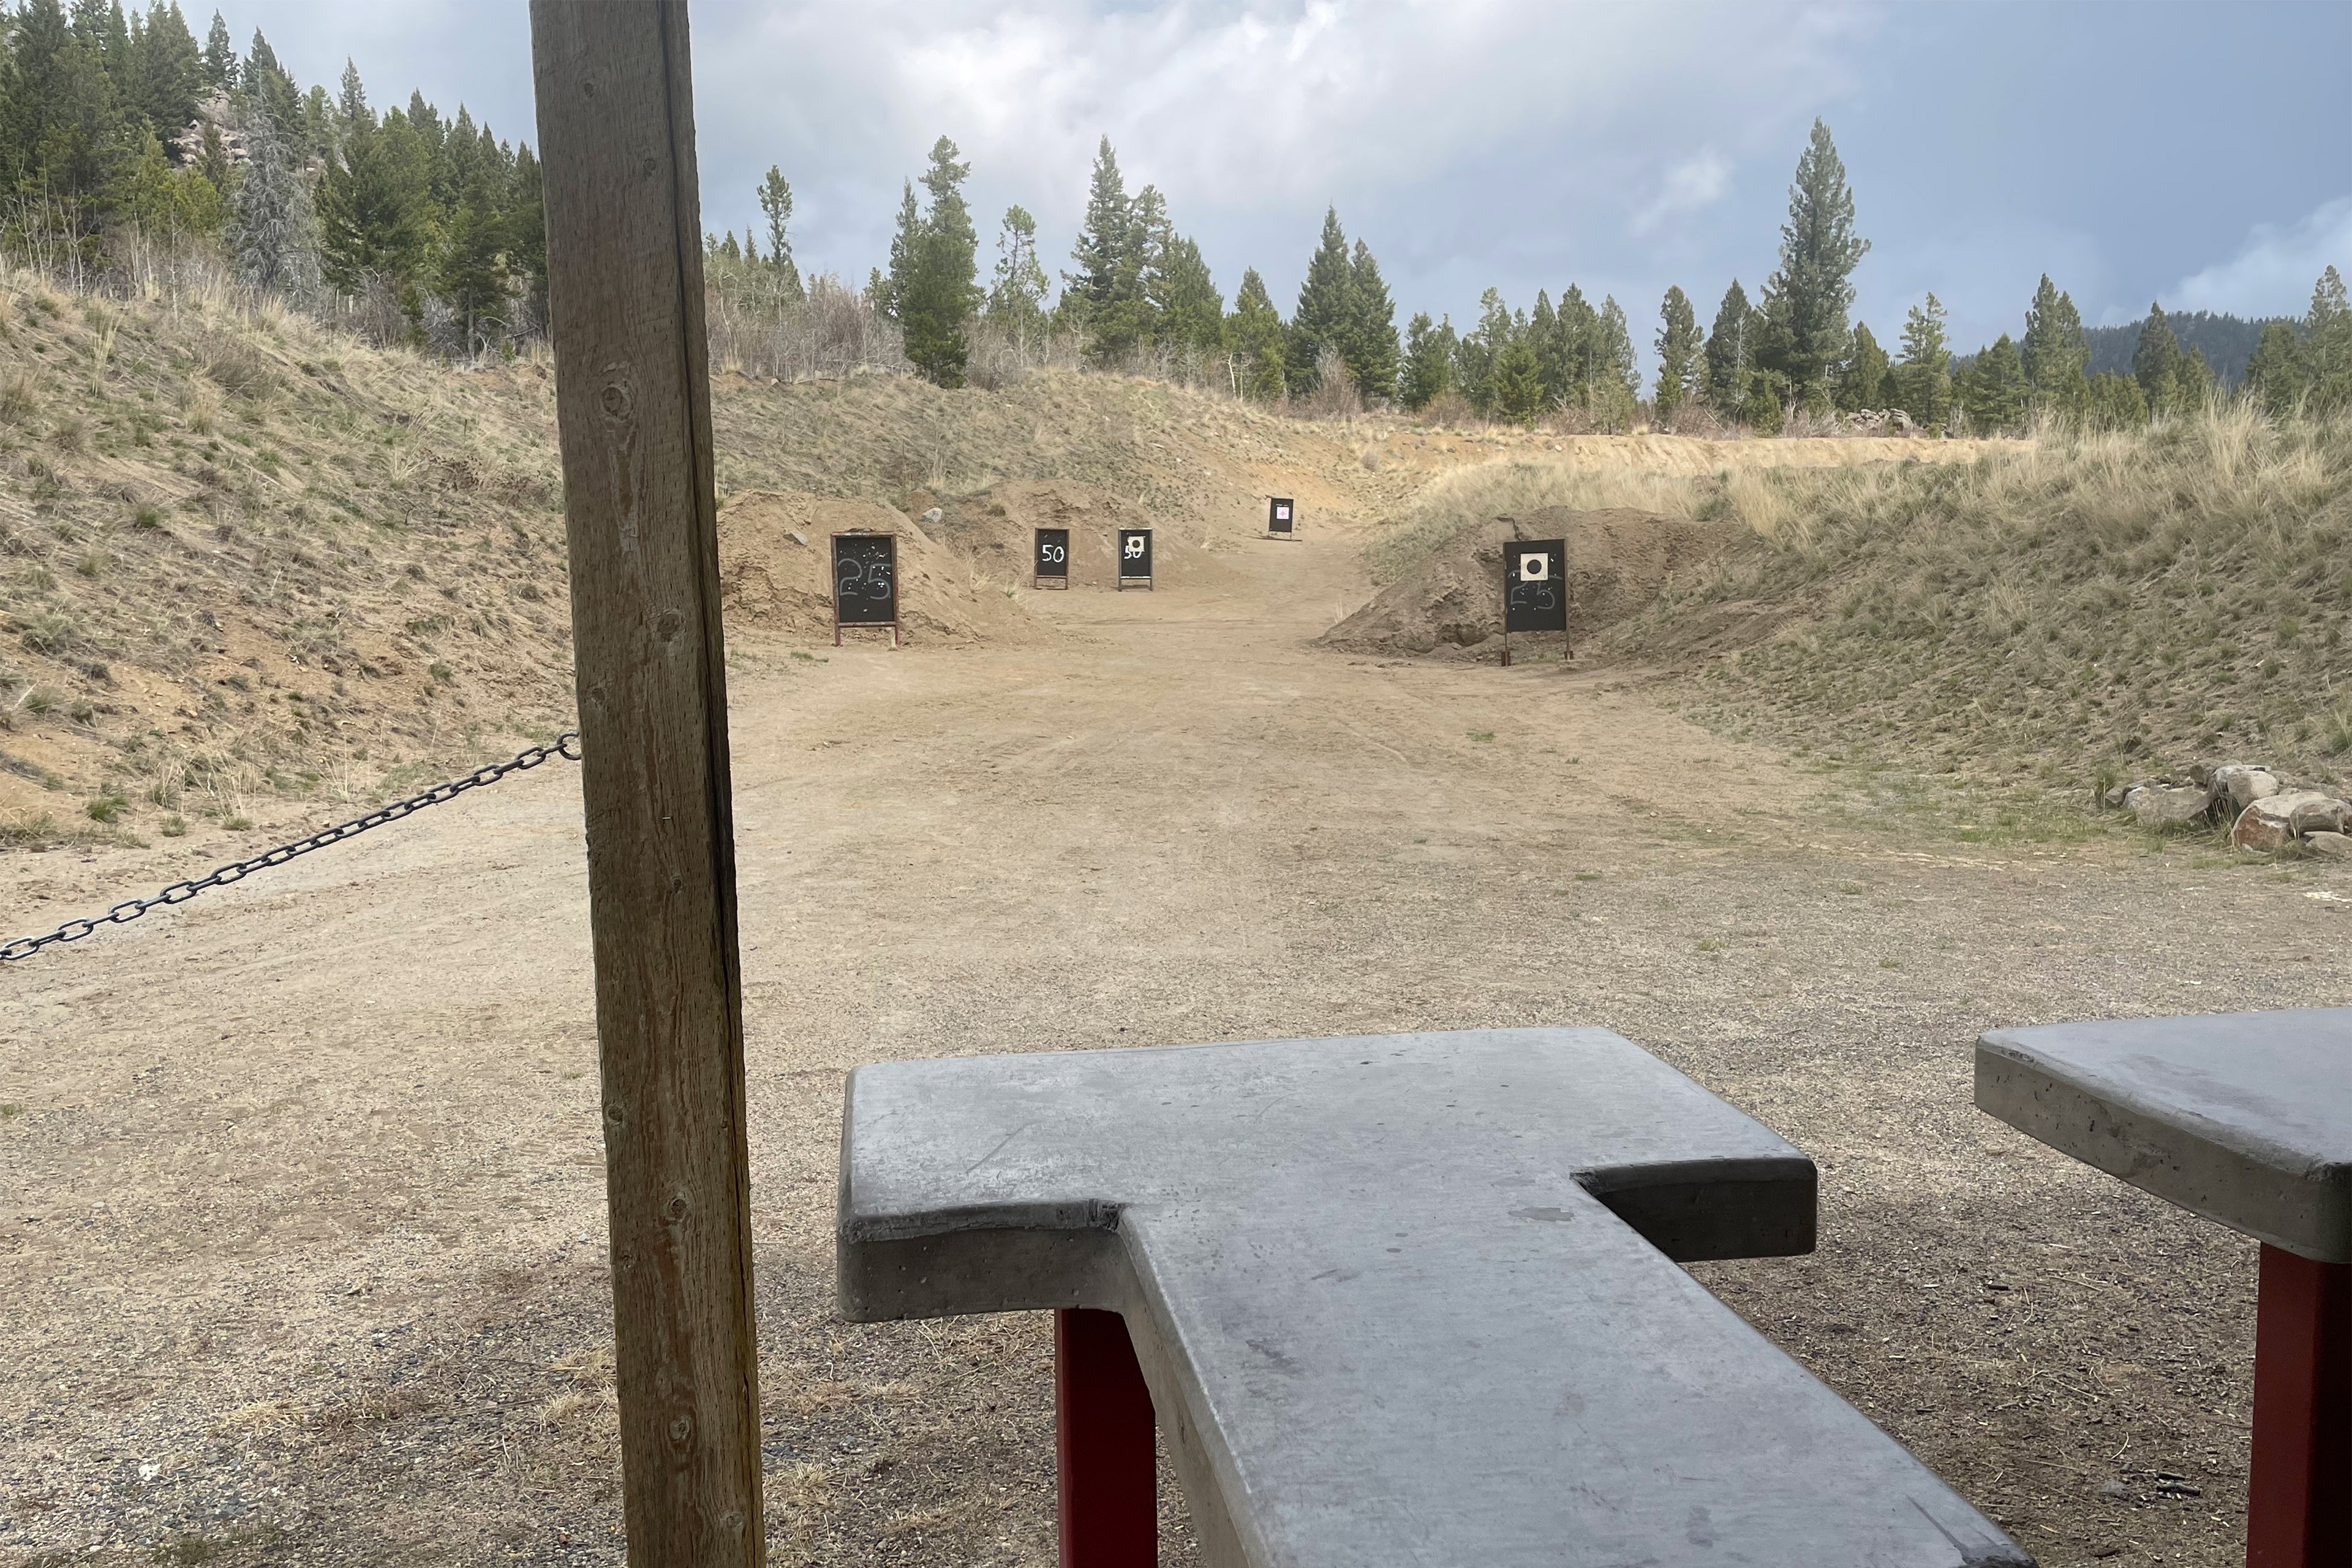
(633, 400)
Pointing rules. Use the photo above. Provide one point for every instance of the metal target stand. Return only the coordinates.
(1038, 544)
(1555, 553)
(890, 561)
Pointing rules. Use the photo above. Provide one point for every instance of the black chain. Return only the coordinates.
(567, 744)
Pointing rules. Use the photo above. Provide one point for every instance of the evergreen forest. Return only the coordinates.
(131, 149)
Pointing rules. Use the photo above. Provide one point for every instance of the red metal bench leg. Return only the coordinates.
(2299, 1508)
(1103, 1453)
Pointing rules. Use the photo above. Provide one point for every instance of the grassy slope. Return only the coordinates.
(241, 559)
(2120, 606)
(250, 570)
(1676, 476)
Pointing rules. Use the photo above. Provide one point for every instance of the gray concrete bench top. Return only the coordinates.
(2244, 1118)
(1393, 1295)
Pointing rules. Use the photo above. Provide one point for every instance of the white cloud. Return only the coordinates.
(1697, 182)
(2273, 272)
(1252, 114)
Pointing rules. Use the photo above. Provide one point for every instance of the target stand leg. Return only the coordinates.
(2299, 1508)
(1104, 1459)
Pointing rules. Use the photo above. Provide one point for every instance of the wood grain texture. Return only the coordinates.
(633, 400)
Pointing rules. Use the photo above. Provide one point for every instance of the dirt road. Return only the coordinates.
(300, 1199)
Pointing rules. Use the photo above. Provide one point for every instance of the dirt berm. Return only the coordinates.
(773, 553)
(1449, 604)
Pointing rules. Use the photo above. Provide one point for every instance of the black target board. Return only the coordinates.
(1050, 558)
(866, 582)
(1134, 557)
(1534, 585)
(1281, 514)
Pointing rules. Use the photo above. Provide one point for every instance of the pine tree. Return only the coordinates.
(2054, 355)
(905, 249)
(1191, 321)
(1516, 388)
(1130, 323)
(352, 110)
(1728, 361)
(1476, 351)
(1679, 348)
(1807, 299)
(1255, 335)
(1862, 381)
(1577, 334)
(1994, 391)
(1923, 381)
(526, 229)
(2155, 361)
(271, 233)
(939, 291)
(2275, 375)
(1101, 244)
(2114, 403)
(1617, 386)
(63, 126)
(471, 268)
(776, 202)
(1371, 341)
(265, 82)
(1016, 300)
(165, 72)
(1551, 354)
(220, 56)
(1321, 318)
(1428, 371)
(2327, 343)
(372, 200)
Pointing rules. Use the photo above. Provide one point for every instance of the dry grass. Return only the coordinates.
(2119, 604)
(204, 510)
(251, 565)
(1675, 475)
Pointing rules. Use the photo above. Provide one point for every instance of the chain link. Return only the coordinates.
(567, 744)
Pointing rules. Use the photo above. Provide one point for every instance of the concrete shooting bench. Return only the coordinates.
(1394, 1299)
(2246, 1119)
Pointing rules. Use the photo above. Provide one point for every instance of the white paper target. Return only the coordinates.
(1535, 567)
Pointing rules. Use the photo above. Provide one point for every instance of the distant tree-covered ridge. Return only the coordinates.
(2227, 341)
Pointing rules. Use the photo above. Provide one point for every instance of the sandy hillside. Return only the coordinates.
(1449, 604)
(254, 574)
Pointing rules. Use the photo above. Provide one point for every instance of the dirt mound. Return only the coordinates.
(774, 572)
(993, 529)
(1451, 603)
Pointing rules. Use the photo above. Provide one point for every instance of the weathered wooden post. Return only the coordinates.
(633, 397)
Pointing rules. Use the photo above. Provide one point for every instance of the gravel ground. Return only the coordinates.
(300, 1204)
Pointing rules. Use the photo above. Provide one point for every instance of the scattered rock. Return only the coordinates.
(2245, 783)
(2329, 845)
(2273, 822)
(933, 515)
(2326, 814)
(2114, 1489)
(2167, 805)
